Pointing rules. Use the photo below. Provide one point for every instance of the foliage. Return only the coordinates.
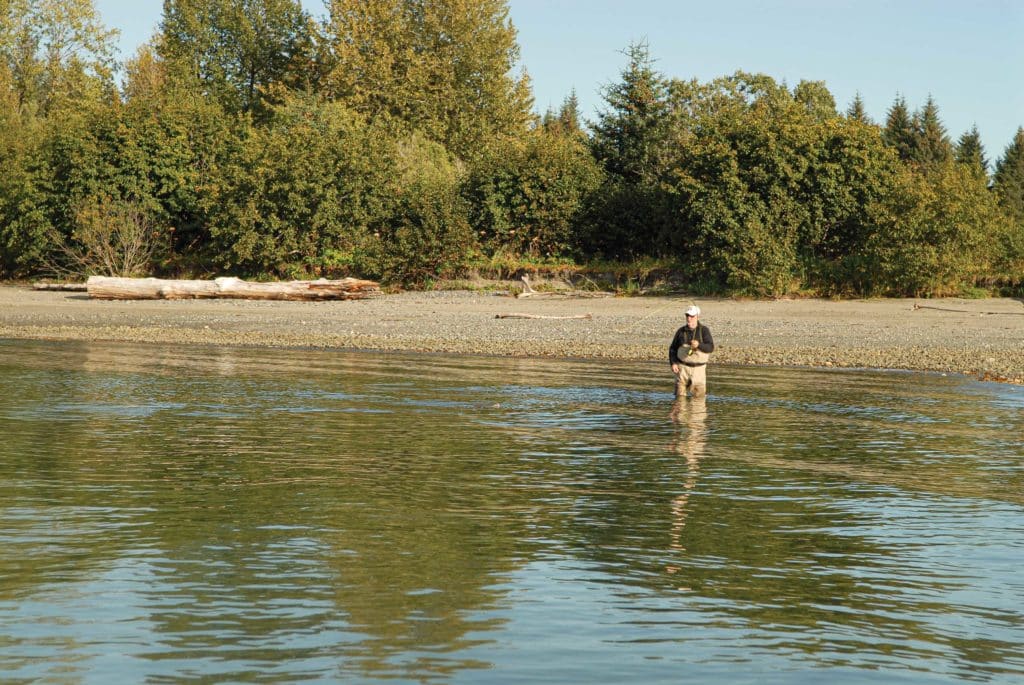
(177, 142)
(633, 140)
(527, 196)
(239, 50)
(931, 234)
(857, 110)
(314, 179)
(816, 99)
(395, 142)
(54, 52)
(567, 121)
(971, 153)
(442, 66)
(1008, 179)
(629, 136)
(425, 235)
(900, 132)
(25, 226)
(931, 147)
(774, 191)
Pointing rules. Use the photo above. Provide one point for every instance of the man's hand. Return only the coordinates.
(675, 369)
(694, 344)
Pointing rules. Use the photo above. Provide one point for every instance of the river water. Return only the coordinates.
(231, 515)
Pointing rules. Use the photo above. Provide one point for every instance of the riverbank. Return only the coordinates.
(982, 338)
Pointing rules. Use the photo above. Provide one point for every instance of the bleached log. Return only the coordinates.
(541, 316)
(528, 291)
(71, 287)
(110, 288)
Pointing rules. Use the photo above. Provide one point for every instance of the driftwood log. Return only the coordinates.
(109, 288)
(70, 287)
(528, 291)
(516, 315)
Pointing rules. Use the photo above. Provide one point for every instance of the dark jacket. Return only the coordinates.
(683, 337)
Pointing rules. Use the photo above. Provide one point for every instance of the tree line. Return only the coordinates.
(395, 140)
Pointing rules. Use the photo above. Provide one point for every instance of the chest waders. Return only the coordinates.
(694, 357)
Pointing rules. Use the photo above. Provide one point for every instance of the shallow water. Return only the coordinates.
(212, 515)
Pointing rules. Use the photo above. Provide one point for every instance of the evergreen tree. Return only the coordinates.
(569, 115)
(565, 121)
(932, 147)
(442, 66)
(629, 135)
(970, 152)
(899, 131)
(239, 50)
(1008, 179)
(857, 112)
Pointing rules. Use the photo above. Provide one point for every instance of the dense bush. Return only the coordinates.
(24, 222)
(424, 234)
(310, 183)
(526, 196)
(932, 234)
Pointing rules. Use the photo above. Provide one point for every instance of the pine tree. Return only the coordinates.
(932, 146)
(628, 136)
(899, 131)
(1008, 179)
(569, 115)
(566, 120)
(857, 112)
(970, 152)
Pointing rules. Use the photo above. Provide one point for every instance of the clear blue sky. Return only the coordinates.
(969, 56)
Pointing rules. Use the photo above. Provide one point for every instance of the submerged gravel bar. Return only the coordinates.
(983, 338)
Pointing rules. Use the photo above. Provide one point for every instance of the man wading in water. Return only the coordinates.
(688, 354)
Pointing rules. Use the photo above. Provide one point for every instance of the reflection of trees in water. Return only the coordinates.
(409, 514)
(251, 506)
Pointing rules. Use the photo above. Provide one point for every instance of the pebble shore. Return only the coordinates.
(980, 338)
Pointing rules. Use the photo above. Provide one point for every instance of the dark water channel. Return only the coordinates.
(224, 515)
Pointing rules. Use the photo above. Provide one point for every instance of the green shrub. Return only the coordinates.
(310, 183)
(933, 235)
(425, 234)
(526, 196)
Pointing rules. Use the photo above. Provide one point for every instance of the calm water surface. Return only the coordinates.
(217, 515)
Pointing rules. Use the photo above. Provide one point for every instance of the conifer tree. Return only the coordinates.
(628, 135)
(569, 115)
(899, 131)
(1008, 179)
(857, 111)
(970, 152)
(932, 146)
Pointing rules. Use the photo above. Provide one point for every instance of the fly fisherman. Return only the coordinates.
(688, 354)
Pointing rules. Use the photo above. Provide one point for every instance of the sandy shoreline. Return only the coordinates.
(982, 338)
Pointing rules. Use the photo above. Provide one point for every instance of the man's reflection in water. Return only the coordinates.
(690, 417)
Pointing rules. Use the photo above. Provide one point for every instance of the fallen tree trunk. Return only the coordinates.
(109, 288)
(516, 315)
(70, 287)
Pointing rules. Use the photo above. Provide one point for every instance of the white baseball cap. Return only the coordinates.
(693, 310)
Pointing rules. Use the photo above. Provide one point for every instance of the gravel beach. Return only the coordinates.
(981, 338)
